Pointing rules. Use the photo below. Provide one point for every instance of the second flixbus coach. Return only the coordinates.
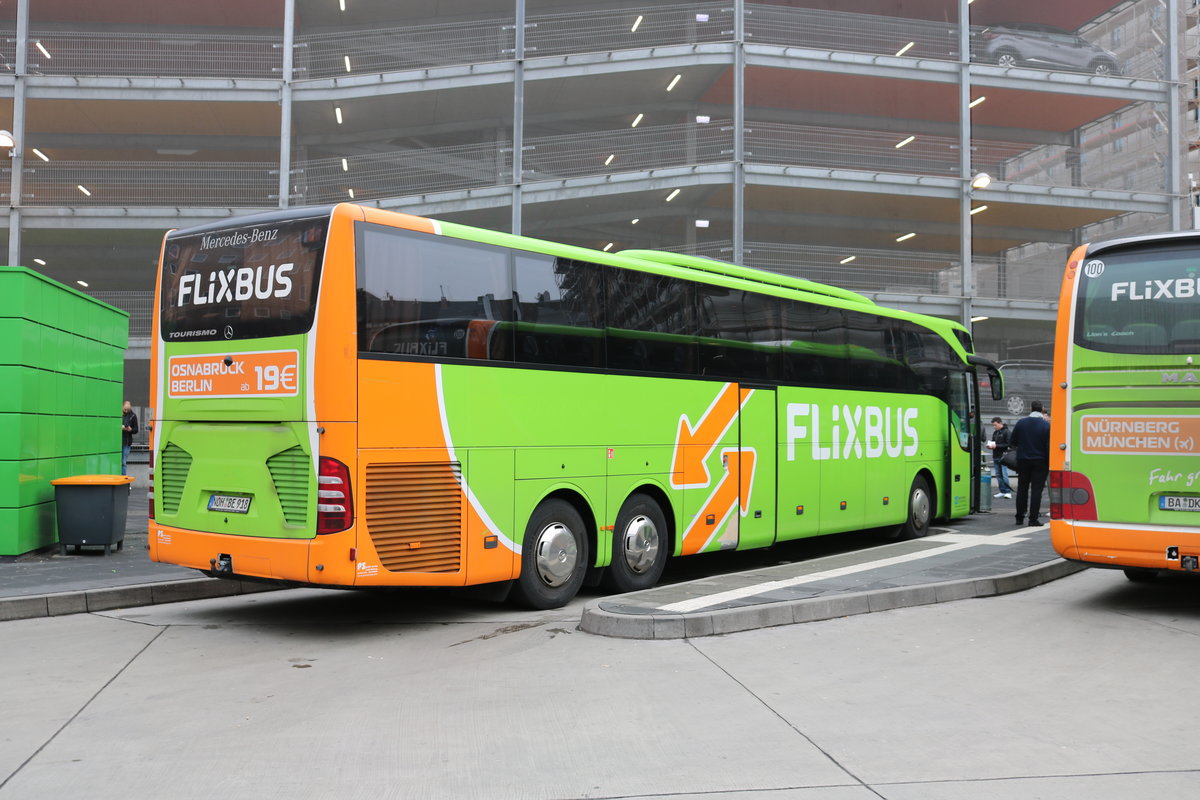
(351, 397)
(1125, 472)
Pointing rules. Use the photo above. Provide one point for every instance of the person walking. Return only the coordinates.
(999, 446)
(129, 426)
(1031, 439)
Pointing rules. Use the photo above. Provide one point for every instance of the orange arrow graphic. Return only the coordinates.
(734, 487)
(694, 445)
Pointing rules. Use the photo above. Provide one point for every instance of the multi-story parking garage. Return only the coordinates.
(832, 139)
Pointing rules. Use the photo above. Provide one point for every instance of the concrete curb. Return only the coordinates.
(810, 609)
(142, 594)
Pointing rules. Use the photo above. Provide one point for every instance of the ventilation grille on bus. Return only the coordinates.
(290, 472)
(173, 465)
(414, 516)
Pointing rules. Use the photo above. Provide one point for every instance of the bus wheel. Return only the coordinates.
(639, 546)
(1140, 575)
(920, 510)
(554, 556)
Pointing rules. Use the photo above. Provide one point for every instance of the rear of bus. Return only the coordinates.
(252, 444)
(1125, 423)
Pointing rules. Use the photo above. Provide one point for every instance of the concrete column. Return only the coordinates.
(518, 128)
(964, 155)
(739, 131)
(285, 103)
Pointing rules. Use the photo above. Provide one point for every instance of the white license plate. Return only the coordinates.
(1175, 502)
(230, 504)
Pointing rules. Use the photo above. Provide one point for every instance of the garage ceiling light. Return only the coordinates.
(905, 237)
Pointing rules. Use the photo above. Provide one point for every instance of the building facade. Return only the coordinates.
(836, 140)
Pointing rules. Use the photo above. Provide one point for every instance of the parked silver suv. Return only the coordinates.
(1031, 44)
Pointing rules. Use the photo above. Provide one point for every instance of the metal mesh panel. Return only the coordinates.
(324, 55)
(852, 33)
(139, 305)
(614, 29)
(910, 272)
(140, 183)
(155, 54)
(403, 172)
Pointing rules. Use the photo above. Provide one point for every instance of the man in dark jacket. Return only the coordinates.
(999, 446)
(1031, 440)
(129, 426)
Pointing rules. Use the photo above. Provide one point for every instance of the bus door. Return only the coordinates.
(984, 376)
(757, 453)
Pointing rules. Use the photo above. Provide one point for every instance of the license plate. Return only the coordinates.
(1175, 502)
(230, 504)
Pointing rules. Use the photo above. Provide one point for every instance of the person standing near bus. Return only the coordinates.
(129, 426)
(999, 446)
(1031, 439)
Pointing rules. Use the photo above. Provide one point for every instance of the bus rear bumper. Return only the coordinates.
(250, 557)
(1120, 546)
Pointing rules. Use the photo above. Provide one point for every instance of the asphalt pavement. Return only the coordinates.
(978, 556)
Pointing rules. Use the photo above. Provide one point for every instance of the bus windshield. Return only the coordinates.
(248, 282)
(1143, 301)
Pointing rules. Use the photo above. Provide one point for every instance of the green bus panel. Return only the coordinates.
(839, 461)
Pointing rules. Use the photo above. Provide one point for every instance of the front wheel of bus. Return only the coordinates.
(920, 510)
(639, 546)
(554, 557)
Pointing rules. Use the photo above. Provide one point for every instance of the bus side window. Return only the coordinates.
(813, 342)
(560, 311)
(651, 322)
(418, 294)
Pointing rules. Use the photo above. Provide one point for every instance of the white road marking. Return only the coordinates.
(954, 541)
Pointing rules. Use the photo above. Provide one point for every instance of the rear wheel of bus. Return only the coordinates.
(920, 510)
(554, 556)
(639, 546)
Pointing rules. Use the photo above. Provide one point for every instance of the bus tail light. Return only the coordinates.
(335, 509)
(1071, 496)
(150, 485)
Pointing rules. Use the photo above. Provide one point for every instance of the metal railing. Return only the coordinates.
(151, 183)
(403, 173)
(440, 43)
(415, 171)
(852, 33)
(140, 306)
(628, 28)
(326, 55)
(906, 272)
(155, 54)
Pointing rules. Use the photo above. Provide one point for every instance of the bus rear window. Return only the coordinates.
(1140, 301)
(248, 282)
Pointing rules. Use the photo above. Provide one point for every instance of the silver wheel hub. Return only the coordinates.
(639, 542)
(556, 554)
(921, 509)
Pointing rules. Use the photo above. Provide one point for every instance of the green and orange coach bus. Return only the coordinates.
(1125, 422)
(351, 397)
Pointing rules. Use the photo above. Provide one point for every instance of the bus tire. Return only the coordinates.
(554, 556)
(639, 546)
(920, 510)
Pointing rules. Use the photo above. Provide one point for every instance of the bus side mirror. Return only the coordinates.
(997, 381)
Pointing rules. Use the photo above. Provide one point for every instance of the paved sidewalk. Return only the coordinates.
(979, 556)
(49, 583)
(982, 555)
